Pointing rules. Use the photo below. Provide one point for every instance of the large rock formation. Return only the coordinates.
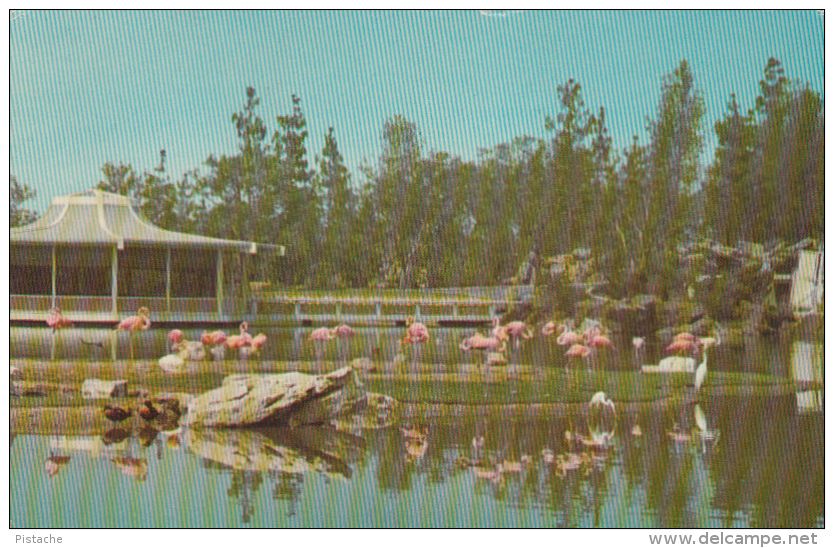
(98, 389)
(290, 399)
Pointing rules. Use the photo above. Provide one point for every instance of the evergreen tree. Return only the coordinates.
(19, 193)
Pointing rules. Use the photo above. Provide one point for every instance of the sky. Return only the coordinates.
(91, 87)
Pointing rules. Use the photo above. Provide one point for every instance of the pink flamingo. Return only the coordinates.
(214, 341)
(597, 340)
(552, 327)
(140, 322)
(343, 331)
(568, 337)
(579, 351)
(682, 346)
(236, 342)
(516, 331)
(320, 336)
(56, 321)
(499, 331)
(254, 347)
(483, 344)
(689, 337)
(175, 337)
(416, 334)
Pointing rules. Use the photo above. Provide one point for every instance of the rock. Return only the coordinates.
(379, 411)
(92, 389)
(363, 365)
(176, 400)
(496, 358)
(283, 399)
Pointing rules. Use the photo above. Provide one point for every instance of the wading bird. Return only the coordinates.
(344, 333)
(117, 414)
(214, 341)
(56, 321)
(140, 322)
(254, 347)
(483, 344)
(579, 351)
(701, 372)
(175, 362)
(147, 411)
(416, 334)
(516, 331)
(319, 337)
(175, 336)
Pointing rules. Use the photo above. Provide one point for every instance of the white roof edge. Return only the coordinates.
(102, 222)
(100, 198)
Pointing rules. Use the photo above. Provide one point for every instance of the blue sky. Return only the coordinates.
(90, 87)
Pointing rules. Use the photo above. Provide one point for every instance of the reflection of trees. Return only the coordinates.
(394, 470)
(283, 454)
(287, 487)
(769, 464)
(765, 472)
(669, 469)
(245, 484)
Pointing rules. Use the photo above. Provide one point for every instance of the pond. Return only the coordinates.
(723, 461)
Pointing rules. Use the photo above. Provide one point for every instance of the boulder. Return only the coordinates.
(379, 411)
(495, 358)
(279, 399)
(92, 389)
(363, 365)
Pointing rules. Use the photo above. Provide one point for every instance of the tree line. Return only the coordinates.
(426, 218)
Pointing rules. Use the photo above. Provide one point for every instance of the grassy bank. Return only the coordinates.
(58, 384)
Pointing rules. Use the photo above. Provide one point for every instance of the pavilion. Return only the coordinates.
(96, 258)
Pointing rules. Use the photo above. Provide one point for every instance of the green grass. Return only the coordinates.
(433, 385)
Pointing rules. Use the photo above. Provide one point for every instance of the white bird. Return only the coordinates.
(701, 372)
(600, 399)
(704, 433)
(174, 363)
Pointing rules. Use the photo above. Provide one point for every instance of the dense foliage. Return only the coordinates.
(425, 218)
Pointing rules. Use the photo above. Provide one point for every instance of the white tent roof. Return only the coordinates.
(98, 217)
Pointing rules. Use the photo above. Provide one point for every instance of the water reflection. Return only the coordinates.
(807, 360)
(733, 462)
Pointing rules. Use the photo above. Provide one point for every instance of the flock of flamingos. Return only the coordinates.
(581, 345)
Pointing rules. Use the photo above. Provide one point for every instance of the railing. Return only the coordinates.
(100, 308)
(375, 309)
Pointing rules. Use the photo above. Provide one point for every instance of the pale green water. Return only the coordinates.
(764, 469)
(759, 465)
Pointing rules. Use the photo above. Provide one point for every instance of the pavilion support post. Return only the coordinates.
(114, 280)
(54, 276)
(168, 280)
(219, 282)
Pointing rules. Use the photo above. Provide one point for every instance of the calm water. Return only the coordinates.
(762, 467)
(754, 462)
